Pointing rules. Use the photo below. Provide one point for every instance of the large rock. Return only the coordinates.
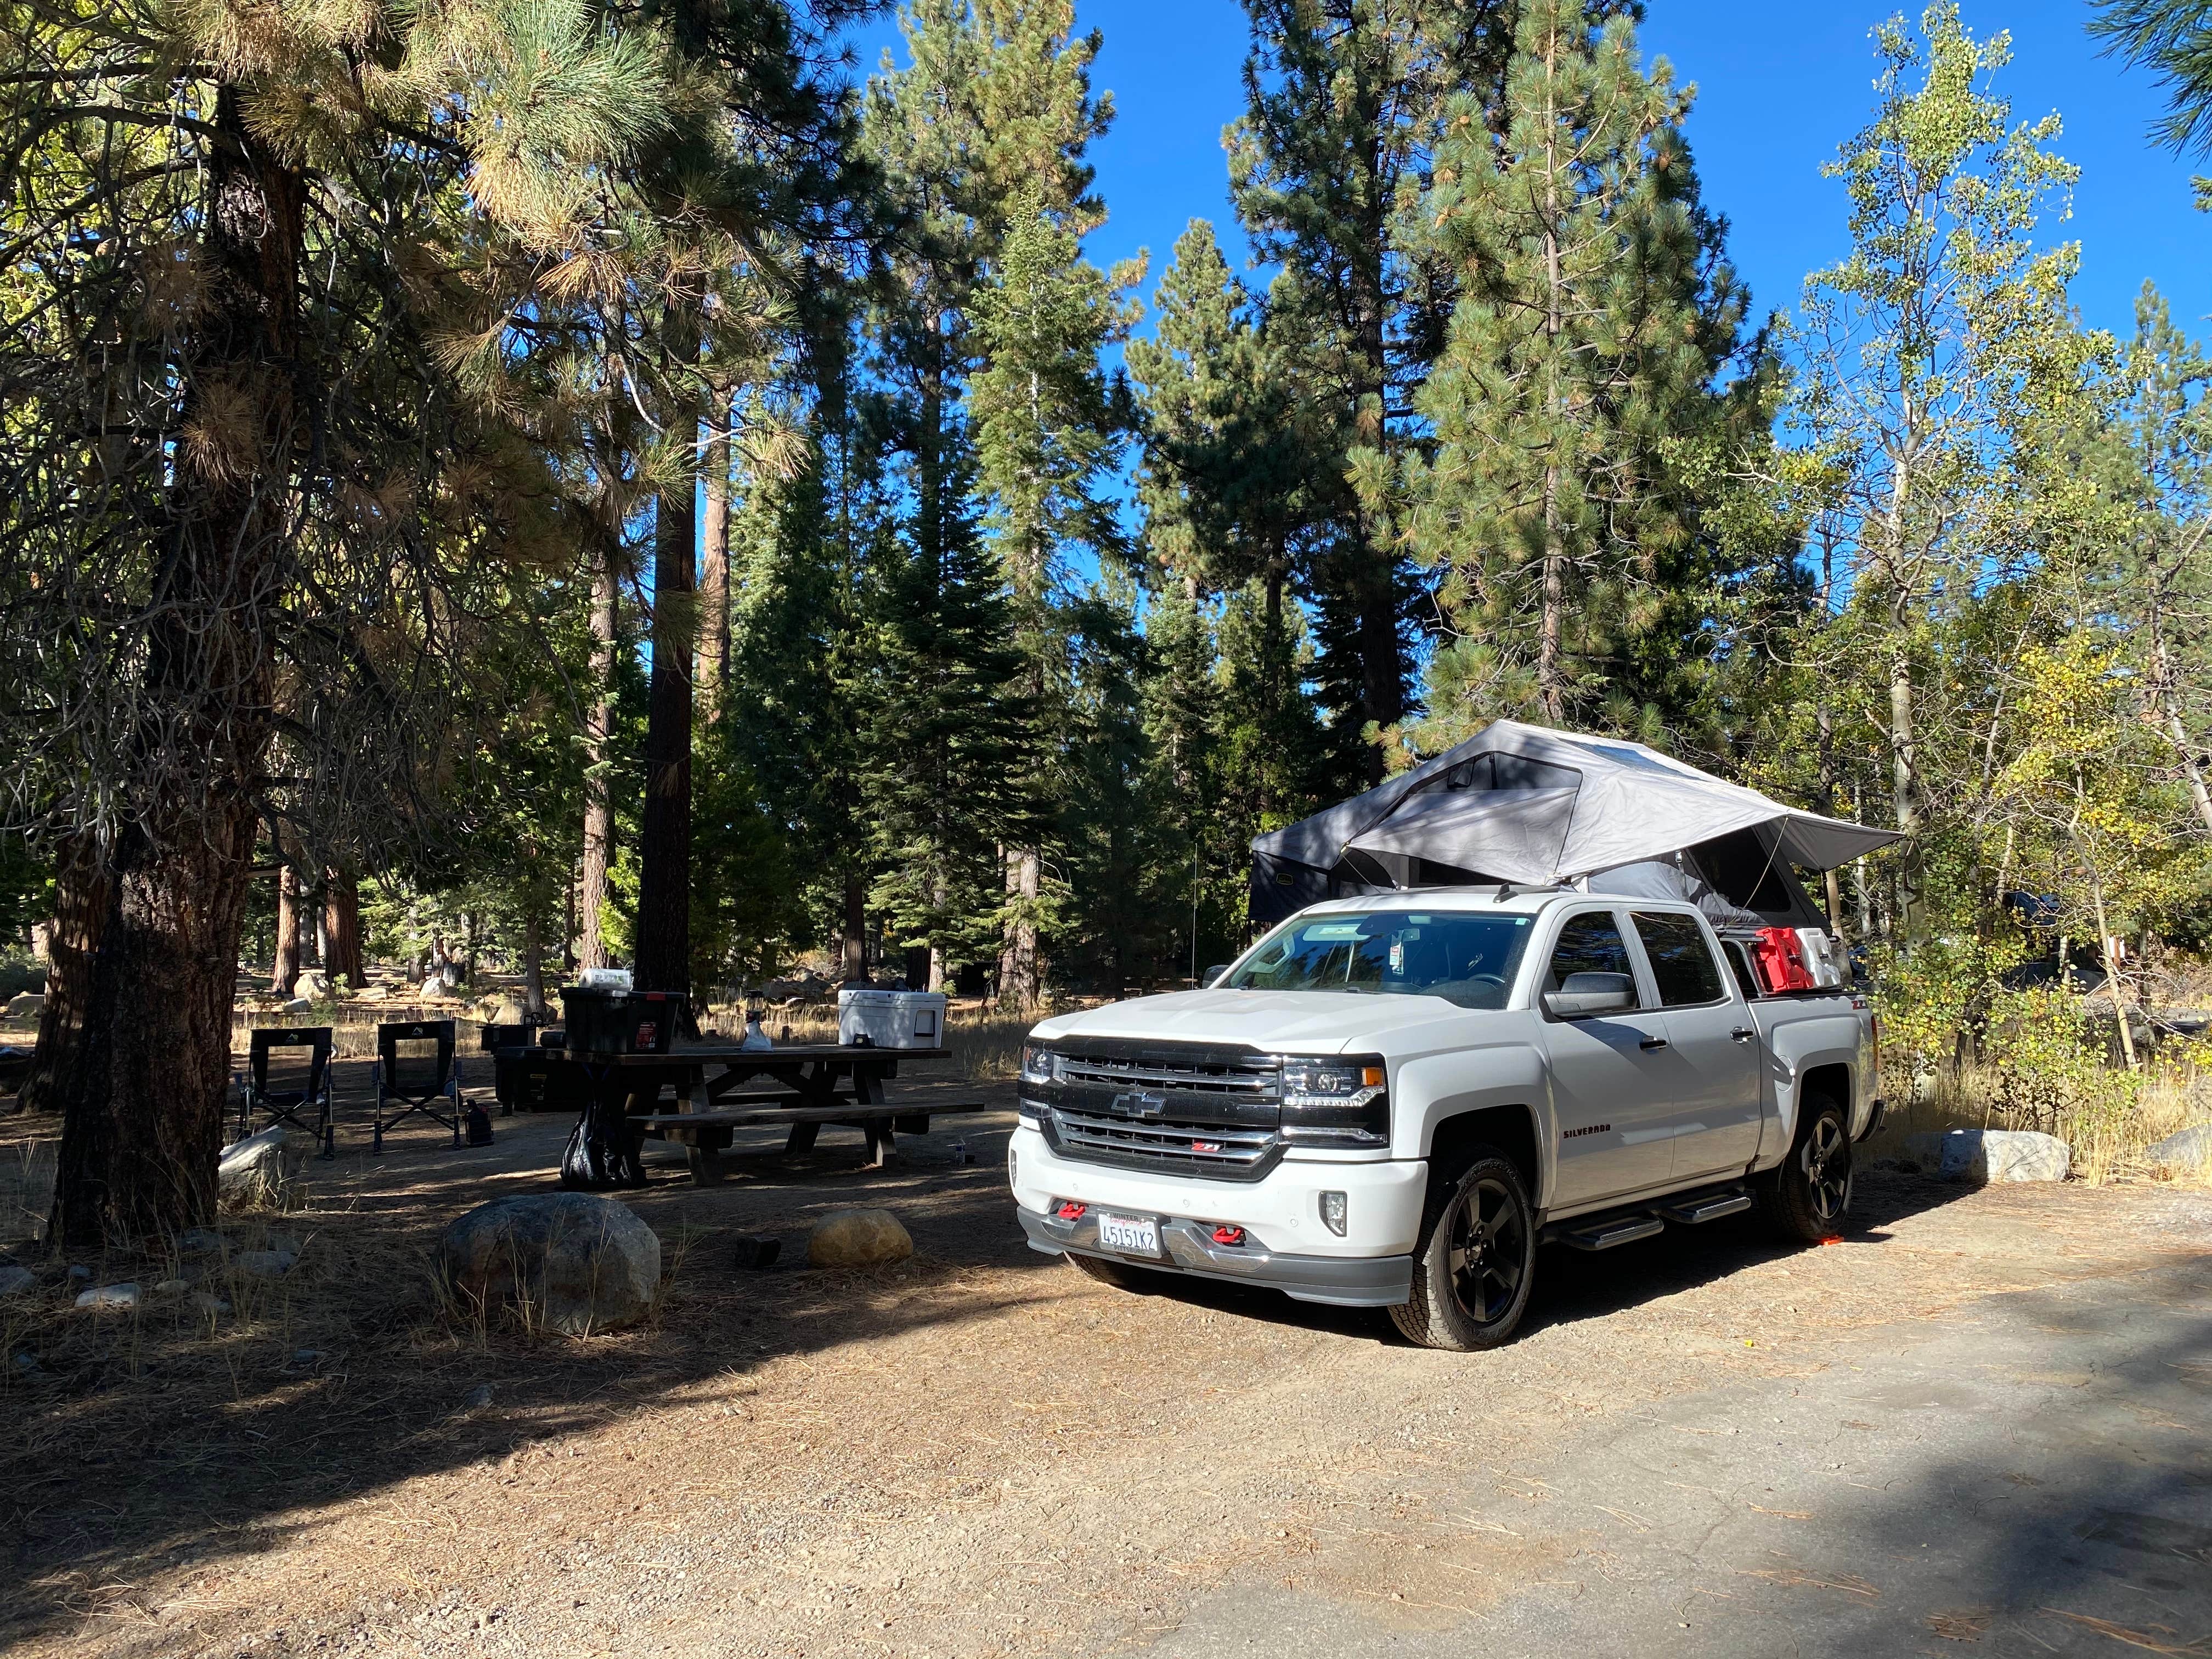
(111, 1299)
(24, 1004)
(574, 1263)
(2189, 1153)
(264, 1167)
(1982, 1156)
(313, 984)
(858, 1238)
(16, 1279)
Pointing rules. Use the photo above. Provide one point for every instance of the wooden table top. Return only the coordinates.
(791, 1053)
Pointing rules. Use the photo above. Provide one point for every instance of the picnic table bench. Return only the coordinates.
(817, 1083)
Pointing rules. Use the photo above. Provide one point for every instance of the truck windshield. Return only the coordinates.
(1463, 958)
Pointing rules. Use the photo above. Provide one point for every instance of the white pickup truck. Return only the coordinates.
(1390, 1101)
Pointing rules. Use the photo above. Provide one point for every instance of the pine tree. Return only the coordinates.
(946, 741)
(1345, 104)
(1049, 425)
(230, 279)
(1575, 409)
(1231, 497)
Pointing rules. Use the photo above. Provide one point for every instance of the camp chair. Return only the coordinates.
(283, 1082)
(425, 1078)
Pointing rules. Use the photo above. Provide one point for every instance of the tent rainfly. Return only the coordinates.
(1532, 806)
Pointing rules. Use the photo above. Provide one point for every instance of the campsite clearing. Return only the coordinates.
(1988, 1414)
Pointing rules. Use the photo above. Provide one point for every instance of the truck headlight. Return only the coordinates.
(1339, 1101)
(1040, 1069)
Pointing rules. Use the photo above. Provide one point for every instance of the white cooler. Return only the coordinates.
(891, 1019)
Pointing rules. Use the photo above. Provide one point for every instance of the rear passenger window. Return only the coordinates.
(1681, 961)
(1739, 965)
(1589, 944)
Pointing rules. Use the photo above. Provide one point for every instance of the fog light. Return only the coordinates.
(1335, 1213)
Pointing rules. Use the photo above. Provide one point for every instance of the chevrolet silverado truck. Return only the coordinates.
(1391, 1100)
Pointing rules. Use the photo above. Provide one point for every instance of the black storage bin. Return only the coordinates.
(601, 1021)
(493, 1038)
(538, 1080)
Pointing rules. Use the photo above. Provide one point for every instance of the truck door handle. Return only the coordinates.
(1743, 1034)
(1650, 1044)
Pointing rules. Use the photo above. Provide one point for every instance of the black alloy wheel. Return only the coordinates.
(1488, 1256)
(1475, 1261)
(1808, 1197)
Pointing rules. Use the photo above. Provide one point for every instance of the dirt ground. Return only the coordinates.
(980, 1451)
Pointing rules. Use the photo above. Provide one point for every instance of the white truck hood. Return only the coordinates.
(1294, 1022)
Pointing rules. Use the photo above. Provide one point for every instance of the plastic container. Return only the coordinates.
(1777, 955)
(607, 1022)
(891, 1019)
(1824, 958)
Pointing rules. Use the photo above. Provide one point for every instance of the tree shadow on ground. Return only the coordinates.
(1572, 1286)
(143, 1442)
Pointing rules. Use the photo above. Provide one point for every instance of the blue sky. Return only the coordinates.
(1779, 86)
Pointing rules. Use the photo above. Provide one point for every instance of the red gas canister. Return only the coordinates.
(1779, 956)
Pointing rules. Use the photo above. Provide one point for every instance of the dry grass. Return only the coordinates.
(2109, 1137)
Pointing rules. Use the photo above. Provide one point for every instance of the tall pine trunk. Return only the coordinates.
(599, 725)
(284, 970)
(80, 908)
(341, 955)
(534, 962)
(663, 900)
(714, 567)
(1021, 963)
(1551, 690)
(143, 1105)
(853, 943)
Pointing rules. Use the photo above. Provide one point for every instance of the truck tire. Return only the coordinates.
(1475, 1260)
(1120, 1276)
(1808, 1197)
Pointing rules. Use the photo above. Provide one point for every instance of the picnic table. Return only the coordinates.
(811, 1084)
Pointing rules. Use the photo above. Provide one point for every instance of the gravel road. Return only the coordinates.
(1983, 1420)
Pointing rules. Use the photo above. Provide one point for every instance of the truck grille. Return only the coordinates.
(1182, 1108)
(1206, 1150)
(1240, 1075)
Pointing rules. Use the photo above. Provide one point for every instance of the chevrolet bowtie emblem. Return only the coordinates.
(1139, 1103)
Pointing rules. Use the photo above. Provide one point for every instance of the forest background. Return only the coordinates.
(614, 482)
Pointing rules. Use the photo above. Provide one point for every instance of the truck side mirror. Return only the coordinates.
(1214, 972)
(1585, 994)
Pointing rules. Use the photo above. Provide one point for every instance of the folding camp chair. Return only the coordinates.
(282, 1082)
(426, 1078)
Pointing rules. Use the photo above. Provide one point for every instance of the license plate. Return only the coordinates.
(1138, 1234)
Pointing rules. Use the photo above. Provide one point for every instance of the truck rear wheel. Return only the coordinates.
(1475, 1261)
(1809, 1198)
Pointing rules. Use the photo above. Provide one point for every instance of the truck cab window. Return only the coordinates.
(1467, 958)
(1681, 961)
(1739, 965)
(1589, 944)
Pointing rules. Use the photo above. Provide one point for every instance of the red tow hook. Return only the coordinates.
(1071, 1211)
(1225, 1235)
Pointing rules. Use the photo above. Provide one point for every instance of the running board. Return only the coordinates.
(1621, 1229)
(1707, 1209)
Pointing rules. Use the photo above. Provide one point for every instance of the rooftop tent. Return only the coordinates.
(1527, 805)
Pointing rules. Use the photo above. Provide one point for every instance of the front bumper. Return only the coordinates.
(1286, 1246)
(1350, 1281)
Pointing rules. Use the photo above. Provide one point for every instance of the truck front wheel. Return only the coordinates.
(1475, 1261)
(1120, 1276)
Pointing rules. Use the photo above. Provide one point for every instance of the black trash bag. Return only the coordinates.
(601, 1155)
(479, 1127)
